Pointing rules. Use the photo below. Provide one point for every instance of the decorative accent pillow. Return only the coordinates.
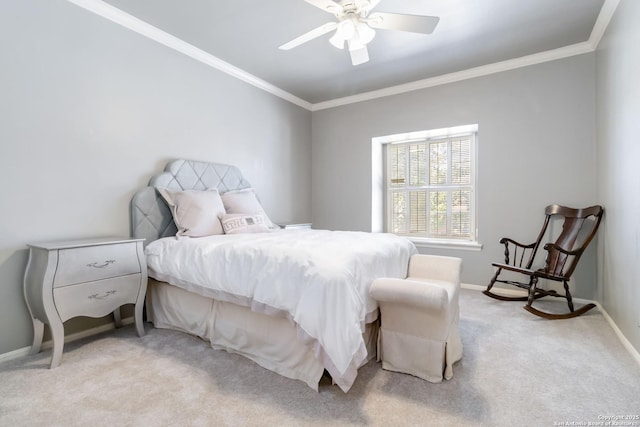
(196, 213)
(244, 202)
(244, 223)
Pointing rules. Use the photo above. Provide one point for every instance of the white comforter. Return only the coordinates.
(319, 279)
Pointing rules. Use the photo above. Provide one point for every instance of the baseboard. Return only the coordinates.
(46, 345)
(516, 292)
(625, 342)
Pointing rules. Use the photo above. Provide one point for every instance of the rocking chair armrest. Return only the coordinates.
(545, 275)
(574, 252)
(527, 271)
(521, 245)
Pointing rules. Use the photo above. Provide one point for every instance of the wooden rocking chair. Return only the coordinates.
(561, 259)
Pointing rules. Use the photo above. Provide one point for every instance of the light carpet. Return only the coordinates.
(517, 369)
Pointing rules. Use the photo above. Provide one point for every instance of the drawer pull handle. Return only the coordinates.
(106, 264)
(105, 295)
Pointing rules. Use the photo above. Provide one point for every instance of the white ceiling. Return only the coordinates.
(470, 34)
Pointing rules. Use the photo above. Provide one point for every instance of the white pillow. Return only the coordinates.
(196, 213)
(244, 223)
(244, 202)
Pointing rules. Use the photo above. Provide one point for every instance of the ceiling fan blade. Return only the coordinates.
(326, 5)
(359, 56)
(398, 21)
(323, 29)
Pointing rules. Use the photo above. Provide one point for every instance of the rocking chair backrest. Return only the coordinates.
(562, 257)
(536, 245)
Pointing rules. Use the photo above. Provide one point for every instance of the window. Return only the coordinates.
(430, 184)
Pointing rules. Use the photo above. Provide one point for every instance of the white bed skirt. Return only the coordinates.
(269, 341)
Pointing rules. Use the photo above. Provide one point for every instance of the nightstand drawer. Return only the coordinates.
(96, 299)
(79, 265)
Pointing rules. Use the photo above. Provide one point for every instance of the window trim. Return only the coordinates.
(434, 243)
(381, 193)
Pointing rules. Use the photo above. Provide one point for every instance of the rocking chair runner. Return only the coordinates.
(561, 259)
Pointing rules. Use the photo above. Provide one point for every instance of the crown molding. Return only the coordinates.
(132, 23)
(599, 28)
(606, 13)
(117, 16)
(497, 67)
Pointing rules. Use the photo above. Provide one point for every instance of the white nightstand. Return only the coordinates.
(92, 277)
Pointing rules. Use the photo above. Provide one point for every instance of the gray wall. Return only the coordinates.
(536, 147)
(618, 100)
(90, 110)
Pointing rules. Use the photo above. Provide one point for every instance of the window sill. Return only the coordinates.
(465, 245)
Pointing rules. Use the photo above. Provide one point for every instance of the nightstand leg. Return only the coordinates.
(57, 333)
(116, 318)
(138, 318)
(38, 332)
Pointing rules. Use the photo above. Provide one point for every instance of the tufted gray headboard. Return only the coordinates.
(151, 218)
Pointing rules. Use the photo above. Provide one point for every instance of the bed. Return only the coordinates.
(295, 301)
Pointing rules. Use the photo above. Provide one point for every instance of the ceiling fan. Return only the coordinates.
(355, 26)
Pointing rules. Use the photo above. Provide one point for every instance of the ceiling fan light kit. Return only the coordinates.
(357, 33)
(355, 26)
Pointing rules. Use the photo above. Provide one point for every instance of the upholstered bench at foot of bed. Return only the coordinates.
(419, 331)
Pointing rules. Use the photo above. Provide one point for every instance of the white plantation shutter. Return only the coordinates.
(438, 163)
(438, 213)
(398, 211)
(461, 196)
(430, 187)
(417, 212)
(397, 165)
(417, 164)
(461, 161)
